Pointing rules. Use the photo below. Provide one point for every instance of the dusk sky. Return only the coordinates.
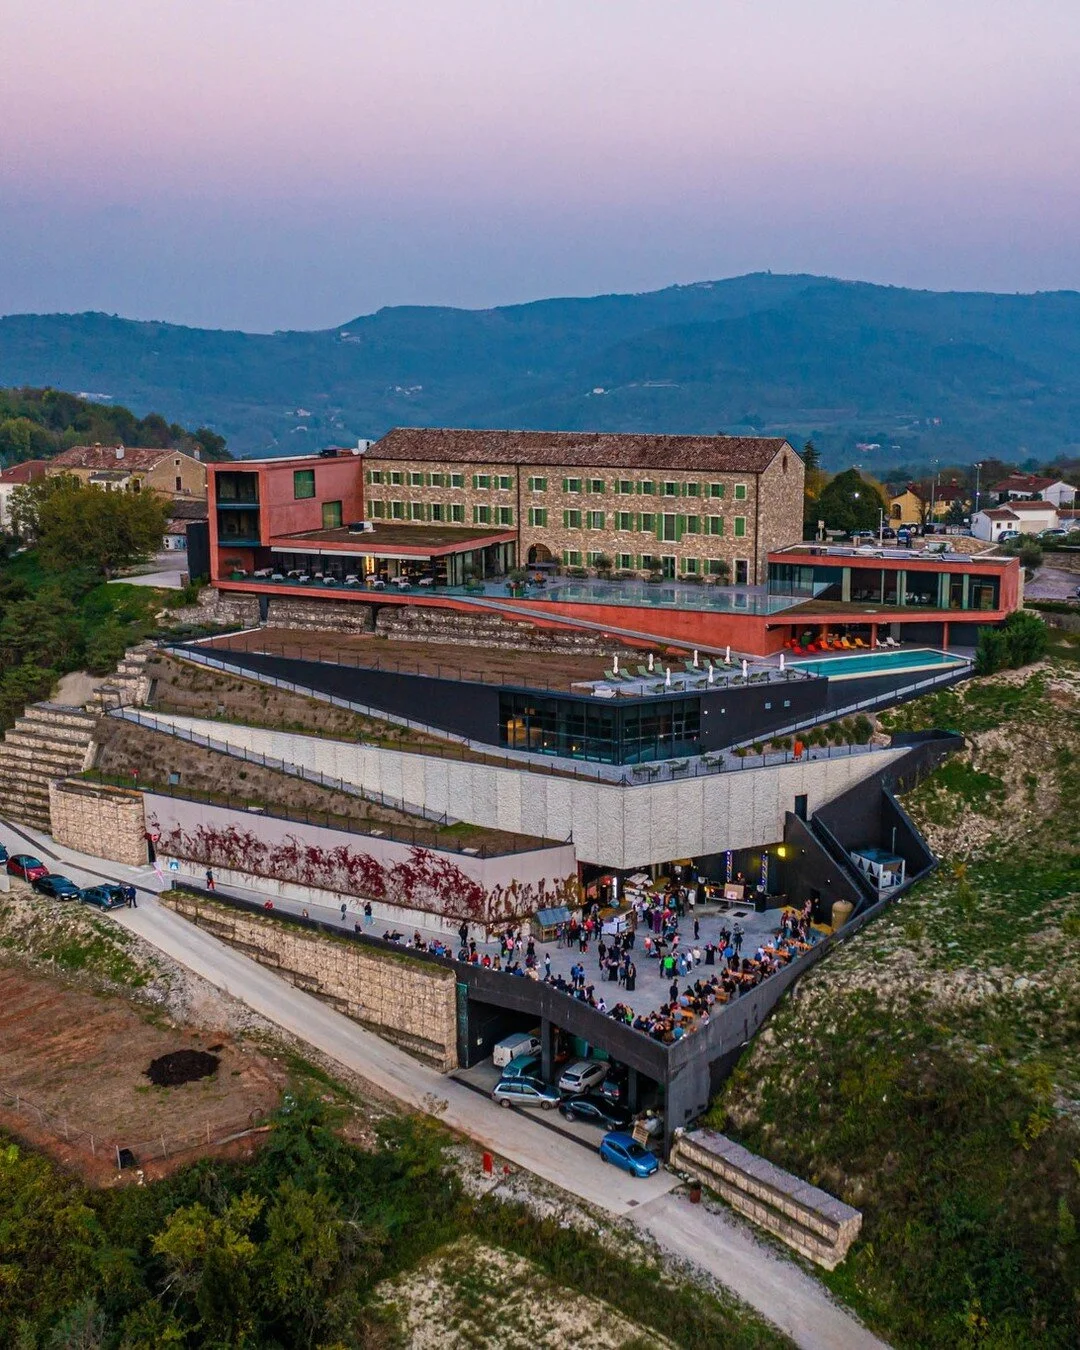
(269, 164)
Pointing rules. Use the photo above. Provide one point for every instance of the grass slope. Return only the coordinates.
(930, 1072)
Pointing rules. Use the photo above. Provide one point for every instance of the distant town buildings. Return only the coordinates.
(1019, 485)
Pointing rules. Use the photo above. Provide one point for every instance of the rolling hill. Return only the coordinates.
(923, 374)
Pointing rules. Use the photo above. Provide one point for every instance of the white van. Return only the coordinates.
(520, 1043)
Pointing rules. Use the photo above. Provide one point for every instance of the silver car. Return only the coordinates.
(582, 1075)
(525, 1092)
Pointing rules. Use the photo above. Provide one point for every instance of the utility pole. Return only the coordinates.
(978, 471)
(933, 492)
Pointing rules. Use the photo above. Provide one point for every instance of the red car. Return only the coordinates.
(26, 866)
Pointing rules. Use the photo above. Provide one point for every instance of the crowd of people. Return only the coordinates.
(654, 934)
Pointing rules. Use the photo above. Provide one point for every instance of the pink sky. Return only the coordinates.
(267, 164)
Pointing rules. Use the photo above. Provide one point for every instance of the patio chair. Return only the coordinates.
(644, 673)
(860, 643)
(352, 580)
(691, 669)
(277, 576)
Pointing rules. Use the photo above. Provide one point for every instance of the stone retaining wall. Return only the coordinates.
(106, 822)
(814, 1223)
(410, 1003)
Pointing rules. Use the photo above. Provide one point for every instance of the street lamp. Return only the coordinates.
(978, 470)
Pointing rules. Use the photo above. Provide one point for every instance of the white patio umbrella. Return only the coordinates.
(650, 662)
(615, 663)
(727, 656)
(710, 672)
(781, 660)
(667, 676)
(744, 668)
(695, 659)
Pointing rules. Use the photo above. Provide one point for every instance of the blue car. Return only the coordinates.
(60, 888)
(104, 897)
(624, 1151)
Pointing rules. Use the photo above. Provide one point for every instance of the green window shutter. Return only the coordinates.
(660, 527)
(680, 526)
(566, 484)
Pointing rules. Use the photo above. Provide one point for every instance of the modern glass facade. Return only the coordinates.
(589, 729)
(903, 587)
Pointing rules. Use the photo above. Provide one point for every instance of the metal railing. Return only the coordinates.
(433, 669)
(155, 723)
(417, 837)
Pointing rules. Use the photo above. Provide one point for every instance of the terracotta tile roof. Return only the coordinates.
(27, 472)
(107, 457)
(1023, 482)
(1000, 513)
(581, 449)
(1032, 506)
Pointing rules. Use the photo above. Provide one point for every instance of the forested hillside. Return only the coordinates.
(40, 423)
(917, 375)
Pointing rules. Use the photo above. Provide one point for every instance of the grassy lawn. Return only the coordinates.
(930, 1073)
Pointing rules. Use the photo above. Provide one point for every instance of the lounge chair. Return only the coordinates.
(691, 669)
(847, 644)
(860, 643)
(644, 673)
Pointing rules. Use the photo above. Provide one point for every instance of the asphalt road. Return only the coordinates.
(721, 1246)
(1053, 583)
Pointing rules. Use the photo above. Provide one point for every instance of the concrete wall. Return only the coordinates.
(410, 1003)
(104, 821)
(612, 826)
(815, 1223)
(325, 866)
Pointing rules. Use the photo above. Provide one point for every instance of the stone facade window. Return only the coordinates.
(740, 492)
(740, 527)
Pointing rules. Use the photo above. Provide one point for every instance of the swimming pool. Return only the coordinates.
(862, 664)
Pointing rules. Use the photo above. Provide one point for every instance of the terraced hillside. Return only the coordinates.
(930, 1073)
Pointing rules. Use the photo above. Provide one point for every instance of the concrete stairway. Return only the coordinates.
(128, 685)
(48, 741)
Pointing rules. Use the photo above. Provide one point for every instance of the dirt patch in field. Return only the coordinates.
(72, 1076)
(182, 1066)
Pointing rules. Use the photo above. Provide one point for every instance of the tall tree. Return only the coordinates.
(851, 502)
(74, 525)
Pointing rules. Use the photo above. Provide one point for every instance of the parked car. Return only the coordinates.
(523, 1066)
(624, 1151)
(25, 865)
(525, 1092)
(1006, 535)
(888, 532)
(616, 1085)
(1054, 534)
(520, 1043)
(903, 537)
(3, 854)
(597, 1110)
(582, 1074)
(56, 886)
(104, 897)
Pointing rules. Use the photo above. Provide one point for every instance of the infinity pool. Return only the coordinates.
(878, 663)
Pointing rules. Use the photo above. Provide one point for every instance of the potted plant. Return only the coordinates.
(603, 565)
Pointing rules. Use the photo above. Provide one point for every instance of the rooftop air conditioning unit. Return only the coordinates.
(361, 527)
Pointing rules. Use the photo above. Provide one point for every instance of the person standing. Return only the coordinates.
(367, 913)
(547, 965)
(344, 909)
(697, 929)
(210, 879)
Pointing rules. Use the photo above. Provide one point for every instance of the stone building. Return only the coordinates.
(677, 505)
(126, 468)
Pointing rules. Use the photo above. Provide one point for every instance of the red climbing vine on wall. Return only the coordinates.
(423, 879)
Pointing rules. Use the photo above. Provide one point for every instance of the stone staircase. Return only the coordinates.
(48, 741)
(127, 686)
(480, 629)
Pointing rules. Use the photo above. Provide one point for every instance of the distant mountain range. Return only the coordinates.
(913, 374)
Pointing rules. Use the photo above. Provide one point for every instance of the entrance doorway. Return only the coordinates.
(800, 806)
(667, 563)
(742, 572)
(540, 553)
